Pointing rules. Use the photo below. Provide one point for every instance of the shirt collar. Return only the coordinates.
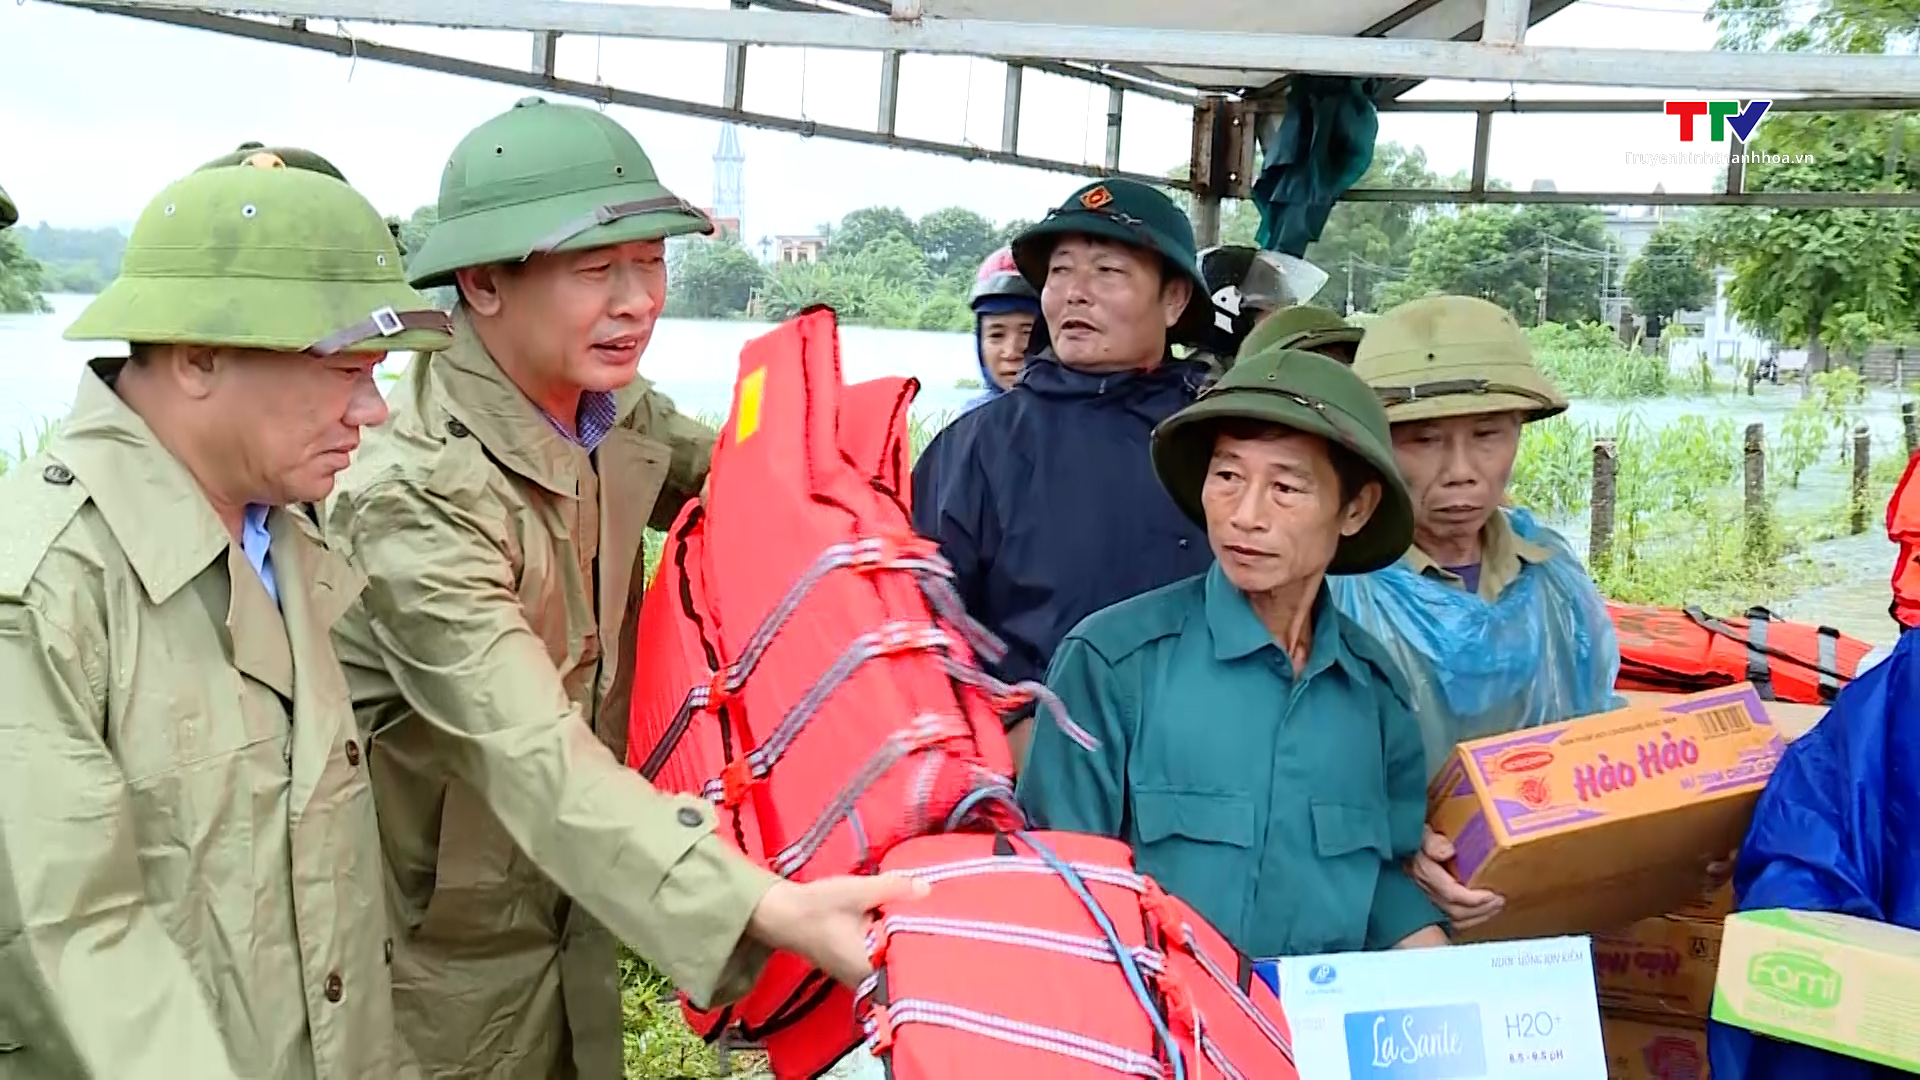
(256, 542)
(599, 412)
(1238, 633)
(1502, 551)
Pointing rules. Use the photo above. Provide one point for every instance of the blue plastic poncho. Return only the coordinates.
(1543, 652)
(1835, 831)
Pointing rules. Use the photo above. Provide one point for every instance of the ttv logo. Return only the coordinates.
(1722, 115)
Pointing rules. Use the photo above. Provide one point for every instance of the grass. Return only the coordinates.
(1588, 361)
(658, 1045)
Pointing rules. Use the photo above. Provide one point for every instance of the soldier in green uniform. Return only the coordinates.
(190, 880)
(499, 518)
(1257, 748)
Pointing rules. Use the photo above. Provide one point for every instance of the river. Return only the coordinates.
(693, 361)
(696, 361)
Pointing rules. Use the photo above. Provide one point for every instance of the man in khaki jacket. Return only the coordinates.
(189, 866)
(499, 518)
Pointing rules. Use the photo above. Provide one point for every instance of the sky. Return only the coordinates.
(98, 112)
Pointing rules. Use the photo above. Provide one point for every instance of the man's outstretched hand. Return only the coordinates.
(826, 921)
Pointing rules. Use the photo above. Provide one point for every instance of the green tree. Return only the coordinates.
(893, 257)
(22, 280)
(869, 226)
(1365, 243)
(1833, 26)
(1670, 273)
(74, 260)
(1799, 273)
(712, 279)
(955, 239)
(1504, 254)
(413, 230)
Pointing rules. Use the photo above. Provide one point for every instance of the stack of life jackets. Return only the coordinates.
(804, 664)
(1107, 976)
(1684, 651)
(1903, 528)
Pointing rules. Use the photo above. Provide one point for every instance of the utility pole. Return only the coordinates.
(1606, 282)
(1349, 283)
(1541, 318)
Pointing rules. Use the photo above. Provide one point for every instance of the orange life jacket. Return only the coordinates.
(1903, 528)
(1903, 510)
(1686, 651)
(803, 663)
(1045, 954)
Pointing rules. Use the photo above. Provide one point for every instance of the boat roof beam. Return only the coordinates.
(1415, 58)
(1226, 128)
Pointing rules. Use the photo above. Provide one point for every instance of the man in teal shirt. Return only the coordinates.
(1256, 747)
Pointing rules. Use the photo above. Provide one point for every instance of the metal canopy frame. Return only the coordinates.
(1125, 60)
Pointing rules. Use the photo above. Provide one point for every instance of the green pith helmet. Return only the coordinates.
(1305, 392)
(291, 156)
(1448, 356)
(1304, 327)
(1124, 212)
(260, 257)
(8, 212)
(541, 178)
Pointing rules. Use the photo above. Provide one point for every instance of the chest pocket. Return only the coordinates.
(1198, 846)
(1353, 842)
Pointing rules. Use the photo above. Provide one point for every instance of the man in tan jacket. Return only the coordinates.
(499, 518)
(190, 879)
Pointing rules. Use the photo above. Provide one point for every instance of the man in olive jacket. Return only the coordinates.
(190, 880)
(499, 519)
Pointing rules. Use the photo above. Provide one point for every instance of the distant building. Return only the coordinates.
(1717, 334)
(1630, 227)
(799, 249)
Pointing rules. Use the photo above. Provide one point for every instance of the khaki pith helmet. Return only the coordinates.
(261, 256)
(1445, 356)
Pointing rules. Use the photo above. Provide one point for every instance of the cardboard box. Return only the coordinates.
(1662, 967)
(1652, 1048)
(1595, 824)
(1504, 1011)
(1792, 719)
(1828, 981)
(1714, 906)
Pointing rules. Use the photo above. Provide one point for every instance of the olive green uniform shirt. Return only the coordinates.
(1281, 808)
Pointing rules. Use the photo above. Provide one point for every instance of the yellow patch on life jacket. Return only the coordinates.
(753, 388)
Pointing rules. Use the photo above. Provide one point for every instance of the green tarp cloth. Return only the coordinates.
(1323, 148)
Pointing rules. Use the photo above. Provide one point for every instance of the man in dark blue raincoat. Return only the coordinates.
(1044, 499)
(1836, 831)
